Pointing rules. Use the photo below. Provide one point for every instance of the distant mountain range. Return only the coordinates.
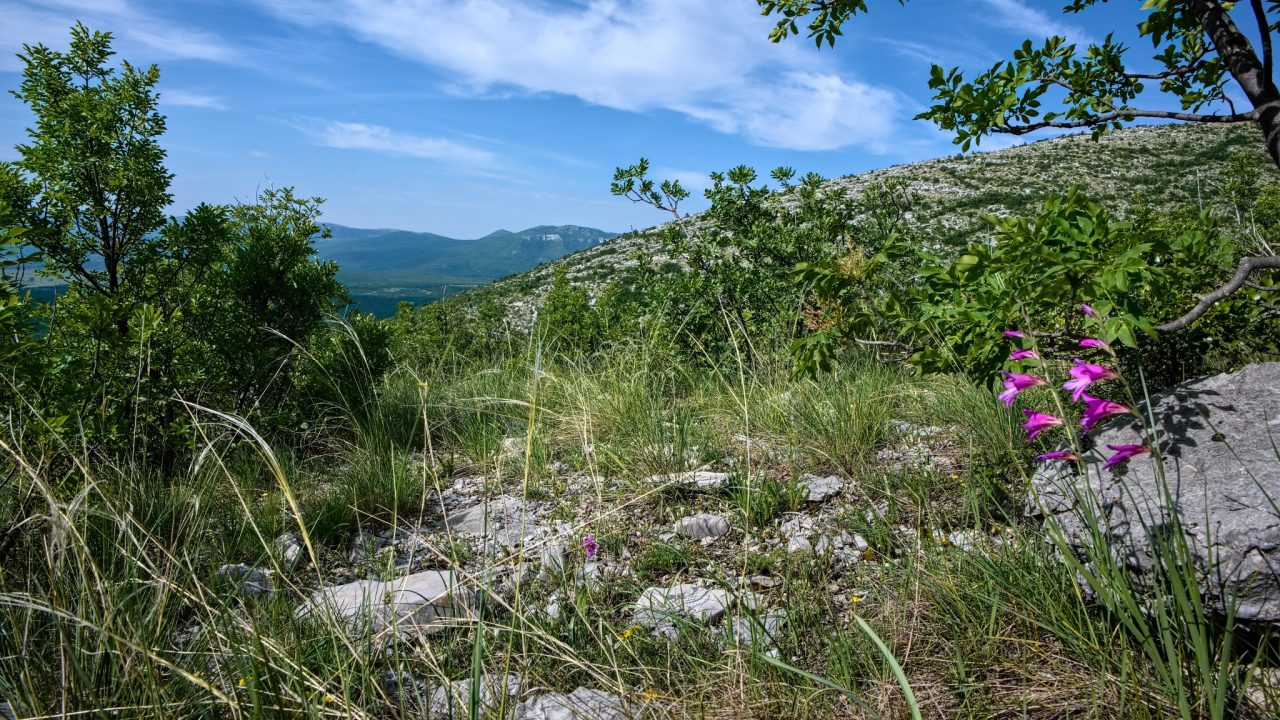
(382, 267)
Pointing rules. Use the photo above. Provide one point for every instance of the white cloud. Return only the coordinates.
(190, 99)
(1015, 15)
(138, 36)
(707, 59)
(376, 138)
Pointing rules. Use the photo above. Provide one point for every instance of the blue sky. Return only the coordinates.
(463, 116)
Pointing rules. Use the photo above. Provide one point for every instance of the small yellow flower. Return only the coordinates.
(329, 699)
(626, 634)
(650, 694)
(954, 476)
(855, 599)
(241, 683)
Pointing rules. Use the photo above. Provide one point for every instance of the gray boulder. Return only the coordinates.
(451, 701)
(1219, 439)
(662, 610)
(695, 480)
(252, 581)
(820, 489)
(416, 604)
(581, 704)
(702, 525)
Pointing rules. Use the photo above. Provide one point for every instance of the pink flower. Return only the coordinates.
(1038, 422)
(1094, 343)
(1095, 410)
(1123, 453)
(1013, 334)
(1086, 374)
(1024, 355)
(591, 546)
(1015, 383)
(1084, 308)
(1059, 455)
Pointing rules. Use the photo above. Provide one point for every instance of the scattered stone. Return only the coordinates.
(512, 447)
(6, 711)
(289, 549)
(799, 543)
(253, 581)
(764, 582)
(702, 525)
(663, 609)
(451, 701)
(753, 629)
(416, 604)
(581, 704)
(696, 479)
(1218, 441)
(365, 547)
(555, 560)
(821, 489)
(506, 520)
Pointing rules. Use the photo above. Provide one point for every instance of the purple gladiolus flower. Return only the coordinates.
(1015, 383)
(591, 546)
(1013, 334)
(1084, 308)
(1123, 453)
(1038, 422)
(1094, 343)
(1085, 374)
(1059, 455)
(1096, 410)
(1024, 355)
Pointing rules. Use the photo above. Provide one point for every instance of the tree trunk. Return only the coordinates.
(1245, 67)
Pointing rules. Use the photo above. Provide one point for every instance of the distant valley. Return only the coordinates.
(382, 268)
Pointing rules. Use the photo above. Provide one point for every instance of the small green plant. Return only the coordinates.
(762, 501)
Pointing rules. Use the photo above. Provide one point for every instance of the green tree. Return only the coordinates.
(1198, 45)
(90, 185)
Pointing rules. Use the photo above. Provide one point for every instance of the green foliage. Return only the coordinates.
(567, 319)
(734, 294)
(1085, 87)
(91, 181)
(1035, 276)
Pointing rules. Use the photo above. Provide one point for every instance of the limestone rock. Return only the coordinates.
(420, 603)
(697, 480)
(506, 520)
(702, 525)
(450, 701)
(821, 489)
(289, 549)
(750, 629)
(1218, 438)
(664, 609)
(581, 704)
(253, 581)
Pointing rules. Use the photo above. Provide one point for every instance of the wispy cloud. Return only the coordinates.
(190, 99)
(379, 139)
(138, 34)
(1017, 16)
(699, 58)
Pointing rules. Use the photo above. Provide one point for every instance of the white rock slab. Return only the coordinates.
(421, 603)
(702, 525)
(581, 704)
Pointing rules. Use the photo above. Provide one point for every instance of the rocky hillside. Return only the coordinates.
(1164, 165)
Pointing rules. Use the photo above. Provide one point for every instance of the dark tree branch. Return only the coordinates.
(1252, 74)
(1247, 267)
(1264, 30)
(1187, 69)
(1126, 114)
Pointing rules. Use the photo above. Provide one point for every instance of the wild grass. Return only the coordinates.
(110, 605)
